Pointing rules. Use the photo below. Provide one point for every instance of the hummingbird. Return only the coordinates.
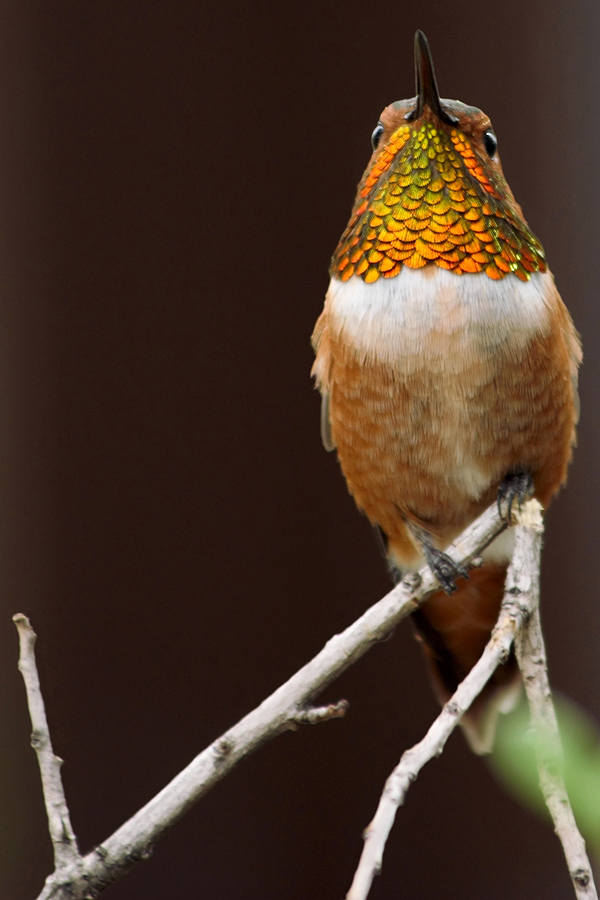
(447, 366)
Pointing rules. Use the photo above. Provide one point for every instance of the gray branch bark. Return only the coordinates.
(288, 706)
(519, 621)
(66, 852)
(531, 655)
(80, 878)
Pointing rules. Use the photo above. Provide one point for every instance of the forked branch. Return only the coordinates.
(519, 621)
(78, 878)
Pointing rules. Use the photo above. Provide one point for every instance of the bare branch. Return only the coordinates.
(519, 621)
(512, 614)
(134, 840)
(314, 715)
(66, 852)
(531, 656)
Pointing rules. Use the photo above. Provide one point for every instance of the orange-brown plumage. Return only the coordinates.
(439, 382)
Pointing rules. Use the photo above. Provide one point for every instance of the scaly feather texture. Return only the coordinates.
(439, 205)
(446, 360)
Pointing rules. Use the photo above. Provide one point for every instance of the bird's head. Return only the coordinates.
(434, 193)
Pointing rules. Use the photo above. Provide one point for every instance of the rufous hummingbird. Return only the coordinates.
(447, 364)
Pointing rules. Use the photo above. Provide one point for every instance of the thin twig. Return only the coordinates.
(134, 840)
(314, 715)
(531, 656)
(519, 620)
(514, 610)
(66, 852)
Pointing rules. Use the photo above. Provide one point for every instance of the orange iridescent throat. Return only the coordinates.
(427, 199)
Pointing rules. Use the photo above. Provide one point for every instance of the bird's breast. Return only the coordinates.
(434, 318)
(438, 384)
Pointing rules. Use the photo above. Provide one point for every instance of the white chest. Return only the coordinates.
(436, 319)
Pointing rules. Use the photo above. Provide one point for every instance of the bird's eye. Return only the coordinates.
(376, 136)
(490, 143)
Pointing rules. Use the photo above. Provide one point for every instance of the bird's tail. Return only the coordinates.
(454, 631)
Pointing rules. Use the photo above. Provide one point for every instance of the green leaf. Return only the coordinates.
(514, 764)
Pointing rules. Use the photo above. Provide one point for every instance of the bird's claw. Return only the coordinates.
(445, 569)
(517, 487)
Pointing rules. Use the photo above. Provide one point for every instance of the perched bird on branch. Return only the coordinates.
(447, 364)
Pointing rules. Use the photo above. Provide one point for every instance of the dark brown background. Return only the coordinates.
(174, 176)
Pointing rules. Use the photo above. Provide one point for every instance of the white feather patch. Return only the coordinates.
(437, 312)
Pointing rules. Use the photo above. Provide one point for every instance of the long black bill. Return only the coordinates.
(426, 85)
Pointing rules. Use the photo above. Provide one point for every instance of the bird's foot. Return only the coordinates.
(519, 487)
(444, 568)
